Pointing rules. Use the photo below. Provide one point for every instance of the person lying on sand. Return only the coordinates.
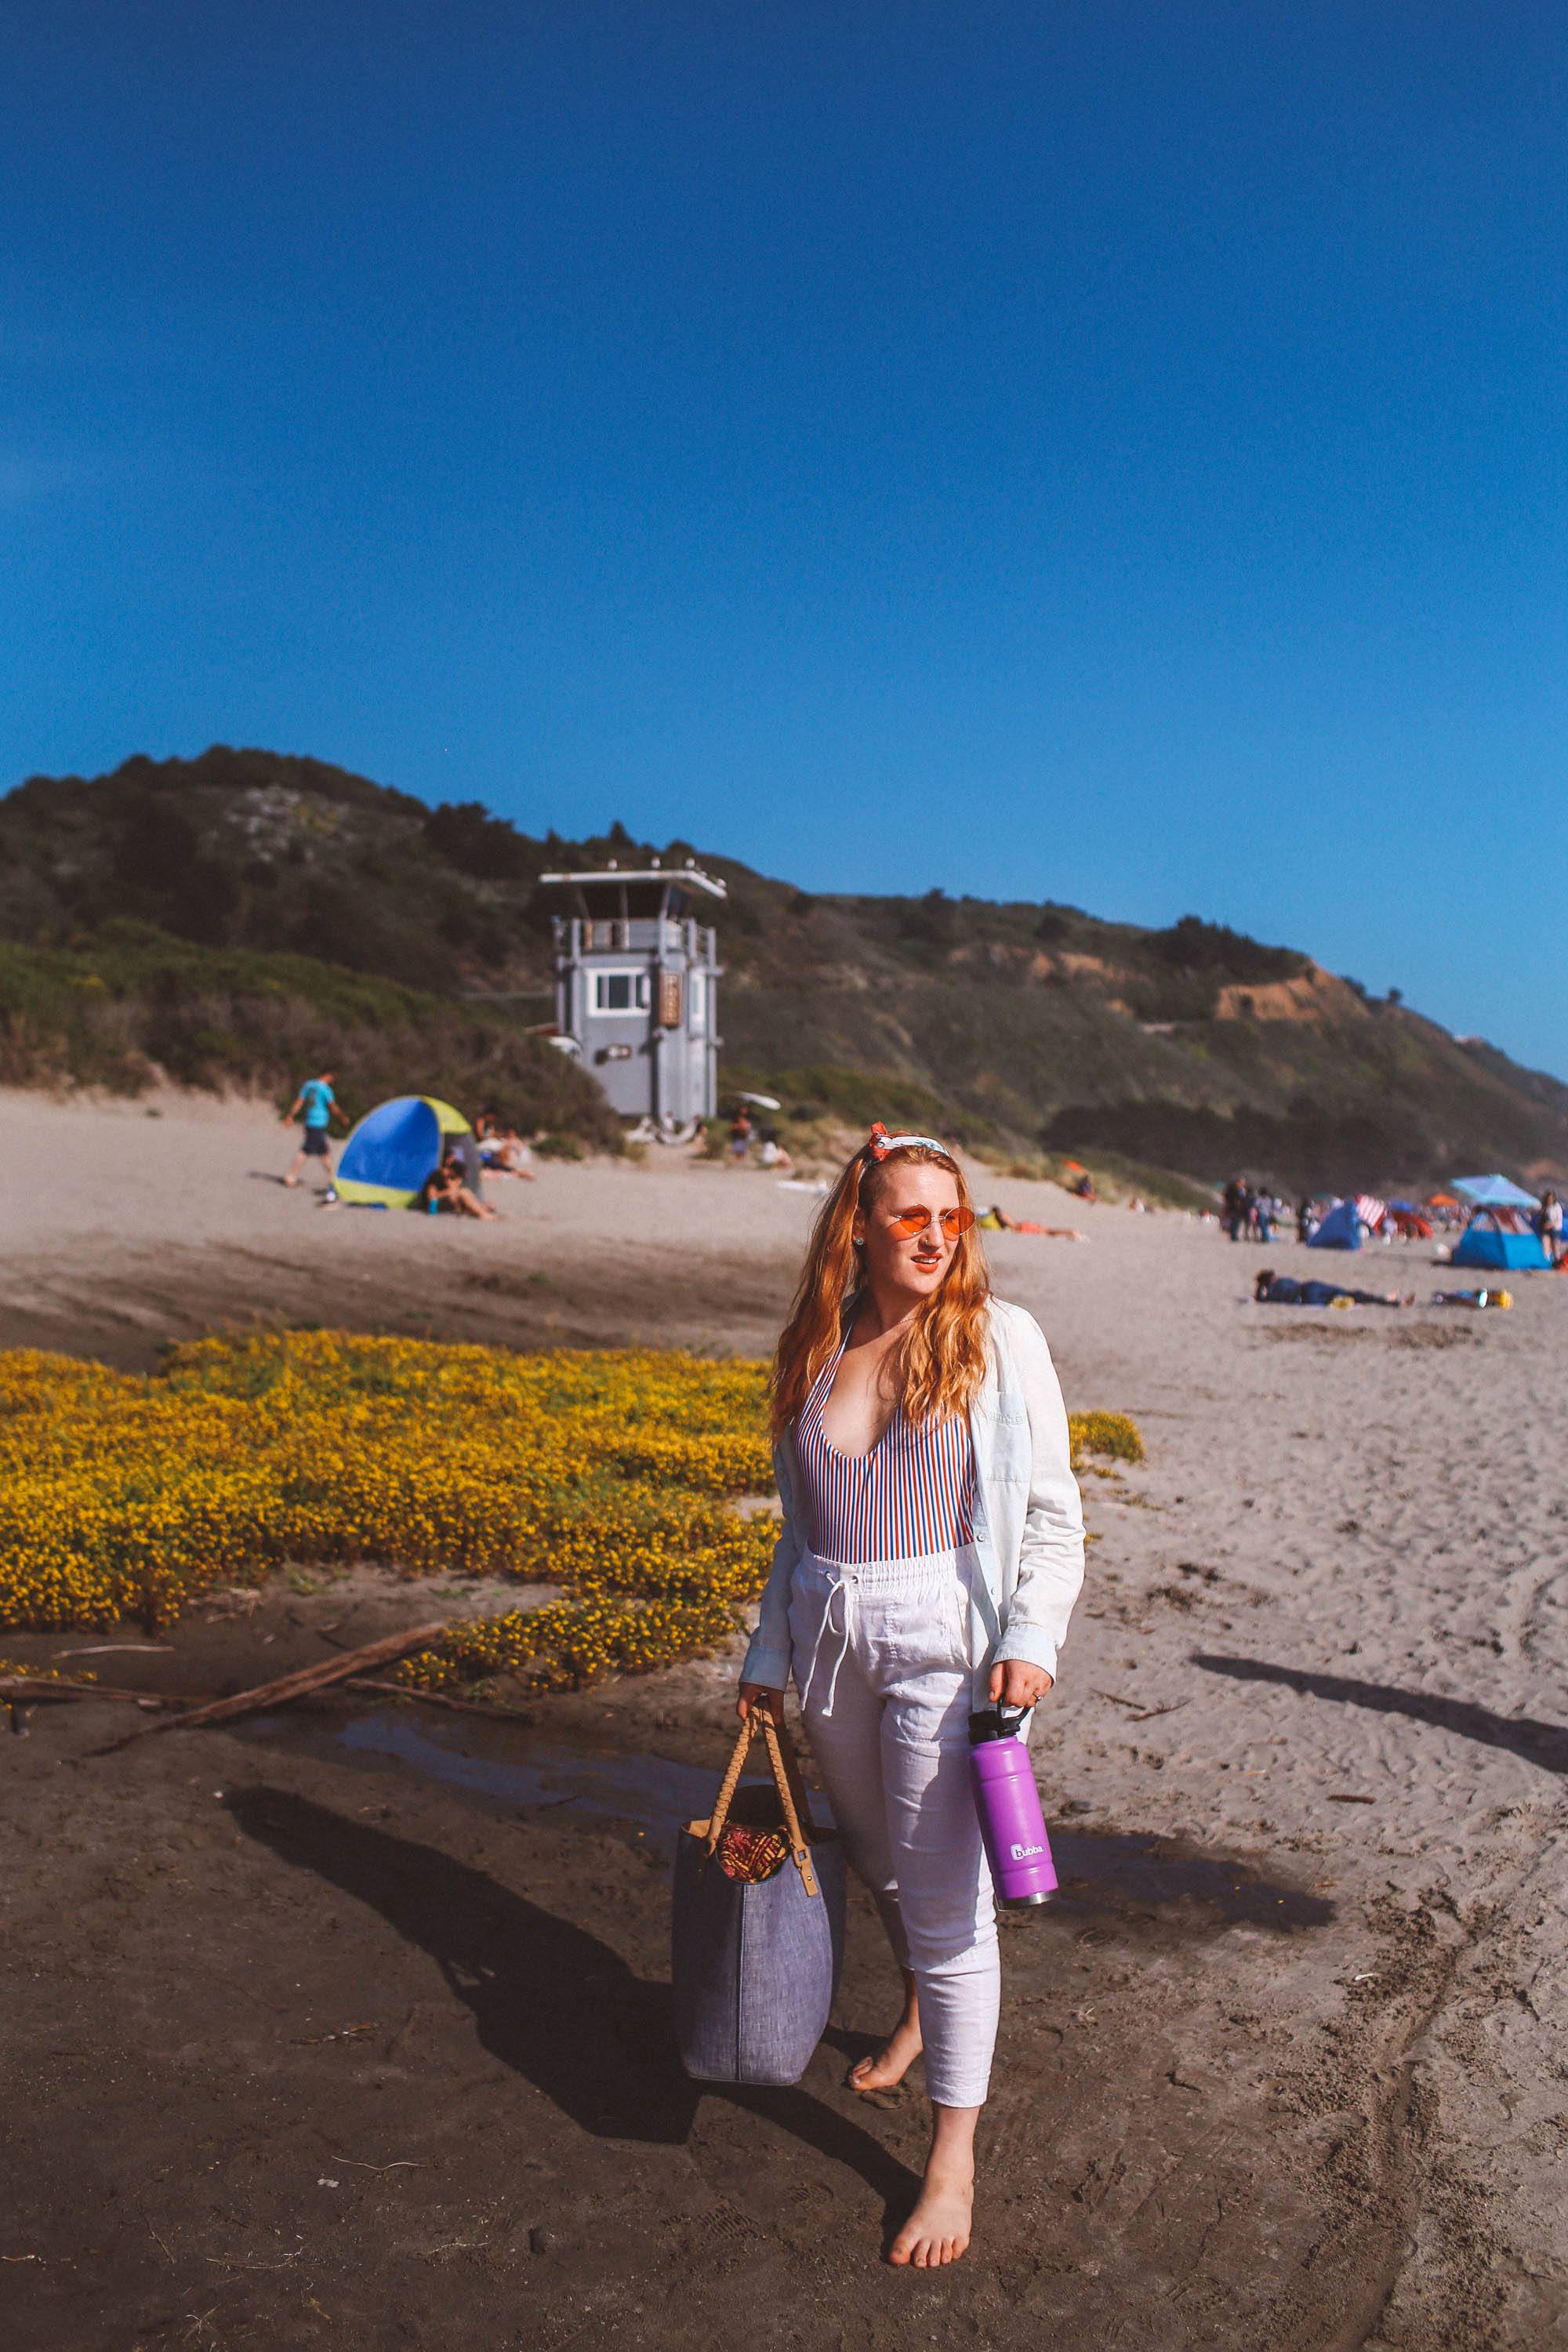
(1273, 1289)
(996, 1220)
(444, 1190)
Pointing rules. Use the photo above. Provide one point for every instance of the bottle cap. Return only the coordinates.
(995, 1722)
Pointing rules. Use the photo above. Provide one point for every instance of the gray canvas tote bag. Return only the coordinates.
(758, 1924)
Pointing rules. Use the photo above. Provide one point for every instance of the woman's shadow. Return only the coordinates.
(550, 2001)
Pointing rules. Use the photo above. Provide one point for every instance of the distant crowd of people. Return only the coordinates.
(1249, 1213)
(1252, 1215)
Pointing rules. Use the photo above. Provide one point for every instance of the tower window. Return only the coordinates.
(620, 992)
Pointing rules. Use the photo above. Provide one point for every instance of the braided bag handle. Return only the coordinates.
(782, 1776)
(786, 1773)
(727, 1786)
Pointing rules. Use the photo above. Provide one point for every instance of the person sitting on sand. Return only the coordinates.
(772, 1154)
(445, 1190)
(503, 1152)
(930, 1552)
(316, 1106)
(1273, 1289)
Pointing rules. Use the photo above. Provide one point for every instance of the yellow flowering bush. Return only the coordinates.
(1116, 1434)
(608, 1474)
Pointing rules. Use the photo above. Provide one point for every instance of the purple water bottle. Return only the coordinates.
(1008, 1804)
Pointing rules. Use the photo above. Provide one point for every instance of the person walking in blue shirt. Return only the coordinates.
(315, 1106)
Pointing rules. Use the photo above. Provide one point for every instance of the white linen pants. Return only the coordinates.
(880, 1653)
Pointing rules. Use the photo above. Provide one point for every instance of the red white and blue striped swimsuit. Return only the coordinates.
(912, 1496)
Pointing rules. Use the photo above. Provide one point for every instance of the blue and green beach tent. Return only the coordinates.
(395, 1147)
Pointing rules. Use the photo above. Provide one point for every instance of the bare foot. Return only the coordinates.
(937, 2231)
(291, 1181)
(892, 2061)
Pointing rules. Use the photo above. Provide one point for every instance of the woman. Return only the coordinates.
(444, 1192)
(932, 1551)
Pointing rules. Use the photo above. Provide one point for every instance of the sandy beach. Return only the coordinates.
(328, 2033)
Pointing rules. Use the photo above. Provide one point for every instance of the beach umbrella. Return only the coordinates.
(1493, 1192)
(1442, 1201)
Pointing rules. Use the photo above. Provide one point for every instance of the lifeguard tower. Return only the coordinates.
(637, 979)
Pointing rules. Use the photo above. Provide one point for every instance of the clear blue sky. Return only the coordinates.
(1047, 448)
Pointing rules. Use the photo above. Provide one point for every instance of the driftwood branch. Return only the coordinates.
(27, 1690)
(287, 1687)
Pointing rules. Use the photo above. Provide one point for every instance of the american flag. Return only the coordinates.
(1371, 1210)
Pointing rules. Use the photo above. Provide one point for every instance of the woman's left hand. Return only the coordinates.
(1017, 1684)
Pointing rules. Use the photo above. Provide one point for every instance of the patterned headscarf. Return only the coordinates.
(879, 1143)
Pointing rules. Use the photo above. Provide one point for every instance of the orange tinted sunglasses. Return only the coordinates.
(910, 1222)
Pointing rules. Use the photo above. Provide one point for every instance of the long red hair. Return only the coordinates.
(941, 1360)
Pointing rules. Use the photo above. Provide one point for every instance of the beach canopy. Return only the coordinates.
(395, 1147)
(1486, 1241)
(1493, 1192)
(1340, 1229)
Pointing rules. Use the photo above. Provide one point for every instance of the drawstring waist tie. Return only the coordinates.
(843, 1581)
(838, 1580)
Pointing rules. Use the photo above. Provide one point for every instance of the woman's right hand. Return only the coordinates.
(759, 1694)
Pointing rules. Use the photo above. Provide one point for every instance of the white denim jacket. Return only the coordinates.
(1029, 1517)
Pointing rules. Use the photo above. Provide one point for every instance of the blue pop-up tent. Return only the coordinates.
(395, 1147)
(1340, 1229)
(1487, 1242)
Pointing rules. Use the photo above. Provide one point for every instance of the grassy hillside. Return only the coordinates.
(1021, 1025)
(133, 1004)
